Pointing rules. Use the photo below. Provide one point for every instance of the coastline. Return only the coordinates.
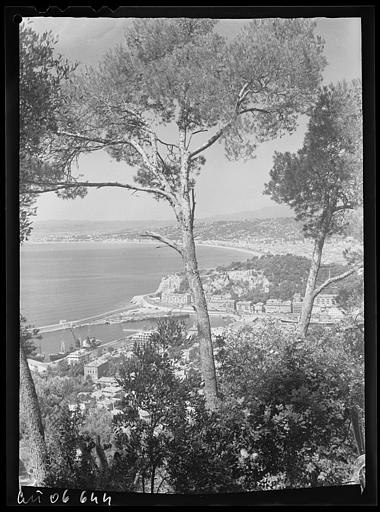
(137, 242)
(90, 241)
(138, 305)
(233, 248)
(143, 312)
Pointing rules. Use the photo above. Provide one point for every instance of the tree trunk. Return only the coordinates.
(357, 430)
(308, 301)
(29, 402)
(152, 478)
(203, 321)
(103, 464)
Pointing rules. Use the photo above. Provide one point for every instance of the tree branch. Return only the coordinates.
(107, 142)
(86, 184)
(241, 96)
(347, 206)
(242, 93)
(217, 136)
(334, 279)
(166, 143)
(256, 109)
(164, 240)
(209, 143)
(98, 140)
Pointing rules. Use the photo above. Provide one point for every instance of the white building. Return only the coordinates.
(259, 307)
(95, 369)
(221, 302)
(278, 306)
(180, 299)
(78, 356)
(245, 307)
(325, 300)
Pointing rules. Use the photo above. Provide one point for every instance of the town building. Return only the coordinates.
(335, 313)
(180, 299)
(259, 307)
(106, 381)
(218, 298)
(327, 315)
(78, 356)
(244, 307)
(221, 302)
(325, 306)
(142, 336)
(278, 306)
(96, 369)
(317, 310)
(241, 274)
(325, 300)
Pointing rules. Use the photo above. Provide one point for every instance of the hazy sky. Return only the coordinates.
(223, 186)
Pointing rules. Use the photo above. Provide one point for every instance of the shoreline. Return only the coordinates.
(38, 242)
(240, 249)
(144, 311)
(138, 308)
(143, 306)
(135, 242)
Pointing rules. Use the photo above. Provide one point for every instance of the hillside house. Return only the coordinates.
(278, 306)
(180, 299)
(245, 307)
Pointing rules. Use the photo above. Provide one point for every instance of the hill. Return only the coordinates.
(267, 212)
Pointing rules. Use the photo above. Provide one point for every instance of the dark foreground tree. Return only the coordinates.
(323, 180)
(285, 419)
(174, 82)
(41, 74)
(76, 459)
(165, 438)
(30, 411)
(154, 402)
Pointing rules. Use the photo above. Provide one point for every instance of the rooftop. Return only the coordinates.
(96, 363)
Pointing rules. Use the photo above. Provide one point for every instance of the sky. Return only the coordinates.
(223, 186)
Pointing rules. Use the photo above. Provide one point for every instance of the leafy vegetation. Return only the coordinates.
(284, 420)
(42, 76)
(297, 396)
(281, 412)
(287, 275)
(28, 337)
(322, 182)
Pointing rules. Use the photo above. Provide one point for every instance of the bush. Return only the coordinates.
(297, 396)
(284, 419)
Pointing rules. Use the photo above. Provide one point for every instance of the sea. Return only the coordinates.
(73, 281)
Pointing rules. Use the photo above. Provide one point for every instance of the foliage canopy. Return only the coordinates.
(323, 180)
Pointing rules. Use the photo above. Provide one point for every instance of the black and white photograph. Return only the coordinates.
(192, 314)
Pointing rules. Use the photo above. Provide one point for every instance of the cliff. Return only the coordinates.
(173, 283)
(218, 282)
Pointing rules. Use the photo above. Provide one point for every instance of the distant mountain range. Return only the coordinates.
(267, 212)
(95, 226)
(114, 226)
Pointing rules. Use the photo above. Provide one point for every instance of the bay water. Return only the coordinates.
(72, 281)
